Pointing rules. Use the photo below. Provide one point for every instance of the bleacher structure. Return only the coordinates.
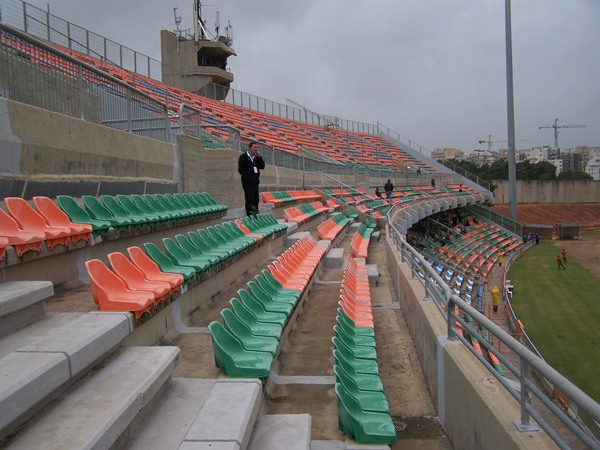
(100, 376)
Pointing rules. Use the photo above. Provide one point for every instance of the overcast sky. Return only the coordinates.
(432, 70)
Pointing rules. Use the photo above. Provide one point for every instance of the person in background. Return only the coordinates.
(377, 192)
(495, 298)
(559, 263)
(250, 164)
(564, 256)
(388, 188)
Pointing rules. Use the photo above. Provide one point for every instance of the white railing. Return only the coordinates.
(438, 291)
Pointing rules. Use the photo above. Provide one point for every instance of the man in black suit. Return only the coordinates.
(250, 164)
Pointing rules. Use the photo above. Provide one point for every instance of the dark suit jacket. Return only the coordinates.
(246, 168)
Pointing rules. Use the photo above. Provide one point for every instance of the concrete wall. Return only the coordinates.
(580, 191)
(38, 142)
(474, 409)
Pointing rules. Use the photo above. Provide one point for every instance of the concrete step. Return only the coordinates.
(271, 431)
(33, 374)
(227, 417)
(97, 411)
(22, 302)
(170, 420)
(201, 414)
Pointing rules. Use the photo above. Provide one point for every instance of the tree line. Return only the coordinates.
(498, 170)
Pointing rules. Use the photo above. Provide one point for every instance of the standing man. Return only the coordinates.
(559, 263)
(495, 298)
(250, 164)
(564, 256)
(389, 188)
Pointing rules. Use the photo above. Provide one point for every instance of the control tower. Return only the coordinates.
(197, 62)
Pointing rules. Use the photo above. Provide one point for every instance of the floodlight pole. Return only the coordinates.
(510, 105)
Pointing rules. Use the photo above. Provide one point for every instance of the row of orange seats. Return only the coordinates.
(136, 284)
(360, 242)
(26, 228)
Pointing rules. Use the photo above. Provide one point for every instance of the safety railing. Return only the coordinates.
(35, 73)
(41, 23)
(446, 302)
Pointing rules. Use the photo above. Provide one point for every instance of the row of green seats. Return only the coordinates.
(247, 341)
(309, 209)
(200, 250)
(350, 214)
(135, 212)
(341, 220)
(284, 196)
(363, 409)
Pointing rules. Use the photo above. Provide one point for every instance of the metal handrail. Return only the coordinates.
(441, 293)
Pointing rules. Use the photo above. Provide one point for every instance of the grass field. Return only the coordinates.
(560, 310)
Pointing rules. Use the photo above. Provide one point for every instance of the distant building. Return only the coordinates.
(539, 153)
(447, 153)
(558, 163)
(483, 157)
(592, 168)
(571, 161)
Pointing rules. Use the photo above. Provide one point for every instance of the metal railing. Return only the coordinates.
(38, 22)
(37, 74)
(438, 291)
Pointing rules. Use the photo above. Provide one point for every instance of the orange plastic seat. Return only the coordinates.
(111, 294)
(30, 220)
(134, 278)
(56, 217)
(152, 270)
(23, 241)
(246, 231)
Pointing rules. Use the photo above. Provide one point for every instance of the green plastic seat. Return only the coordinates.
(364, 381)
(354, 340)
(368, 400)
(243, 333)
(268, 302)
(152, 219)
(259, 309)
(238, 234)
(163, 217)
(233, 359)
(365, 427)
(347, 324)
(277, 285)
(77, 214)
(181, 258)
(99, 212)
(361, 366)
(166, 264)
(190, 212)
(214, 245)
(209, 201)
(357, 352)
(111, 203)
(274, 293)
(194, 201)
(222, 238)
(220, 254)
(191, 249)
(161, 208)
(258, 327)
(168, 206)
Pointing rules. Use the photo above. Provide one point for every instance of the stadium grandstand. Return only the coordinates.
(140, 308)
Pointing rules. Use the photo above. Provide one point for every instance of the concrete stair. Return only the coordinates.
(36, 367)
(22, 302)
(100, 410)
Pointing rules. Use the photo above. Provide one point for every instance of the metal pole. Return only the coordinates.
(510, 106)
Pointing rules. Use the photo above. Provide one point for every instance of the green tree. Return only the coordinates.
(575, 175)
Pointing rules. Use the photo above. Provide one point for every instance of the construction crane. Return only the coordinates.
(556, 127)
(489, 142)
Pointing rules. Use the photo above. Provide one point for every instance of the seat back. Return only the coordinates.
(75, 212)
(8, 225)
(125, 268)
(96, 209)
(52, 213)
(235, 325)
(131, 208)
(24, 214)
